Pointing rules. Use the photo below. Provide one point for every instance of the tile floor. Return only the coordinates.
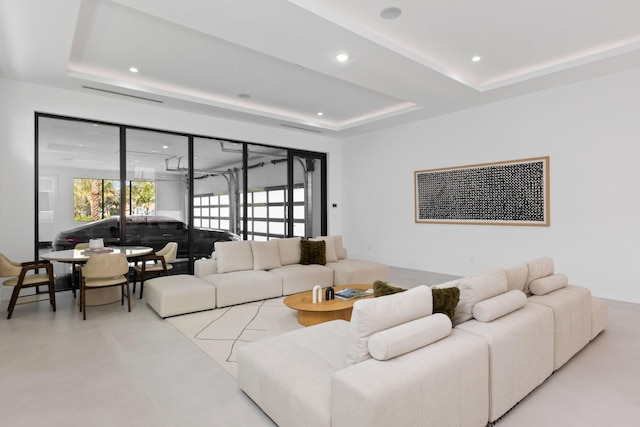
(134, 369)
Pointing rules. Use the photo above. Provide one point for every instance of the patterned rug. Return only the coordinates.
(220, 332)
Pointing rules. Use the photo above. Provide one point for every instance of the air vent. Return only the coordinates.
(300, 128)
(123, 94)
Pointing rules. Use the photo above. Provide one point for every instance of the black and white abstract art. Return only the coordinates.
(513, 192)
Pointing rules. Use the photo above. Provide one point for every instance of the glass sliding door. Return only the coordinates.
(78, 183)
(157, 187)
(266, 197)
(309, 194)
(216, 185)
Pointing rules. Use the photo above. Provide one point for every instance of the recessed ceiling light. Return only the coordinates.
(244, 95)
(476, 58)
(320, 113)
(391, 13)
(342, 57)
(165, 146)
(133, 69)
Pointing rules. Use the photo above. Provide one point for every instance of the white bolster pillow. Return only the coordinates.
(409, 336)
(548, 284)
(498, 306)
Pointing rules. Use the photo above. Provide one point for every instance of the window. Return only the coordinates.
(266, 208)
(95, 199)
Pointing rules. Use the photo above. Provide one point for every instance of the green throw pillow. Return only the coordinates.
(445, 300)
(313, 252)
(381, 288)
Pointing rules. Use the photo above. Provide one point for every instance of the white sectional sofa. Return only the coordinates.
(396, 363)
(244, 271)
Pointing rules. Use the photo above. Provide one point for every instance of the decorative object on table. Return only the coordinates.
(97, 251)
(317, 294)
(96, 243)
(351, 293)
(514, 192)
(329, 294)
(26, 275)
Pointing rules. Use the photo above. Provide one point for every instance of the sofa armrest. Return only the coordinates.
(204, 267)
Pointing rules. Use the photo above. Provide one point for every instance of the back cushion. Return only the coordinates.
(335, 250)
(234, 256)
(517, 277)
(538, 268)
(478, 288)
(289, 250)
(330, 248)
(266, 255)
(377, 314)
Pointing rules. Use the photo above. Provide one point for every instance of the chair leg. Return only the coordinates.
(129, 294)
(52, 287)
(135, 279)
(142, 277)
(14, 299)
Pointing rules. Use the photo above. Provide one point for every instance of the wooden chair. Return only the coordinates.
(156, 264)
(25, 275)
(103, 271)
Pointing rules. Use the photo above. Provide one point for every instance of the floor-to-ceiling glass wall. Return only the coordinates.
(78, 181)
(190, 189)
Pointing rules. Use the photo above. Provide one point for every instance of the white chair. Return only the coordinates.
(23, 276)
(103, 271)
(156, 264)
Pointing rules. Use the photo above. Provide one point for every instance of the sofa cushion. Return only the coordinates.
(498, 306)
(289, 250)
(402, 339)
(381, 289)
(313, 252)
(517, 277)
(548, 284)
(445, 300)
(475, 289)
(336, 242)
(329, 246)
(234, 256)
(377, 314)
(266, 255)
(538, 268)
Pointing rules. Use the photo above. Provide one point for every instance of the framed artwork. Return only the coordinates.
(514, 192)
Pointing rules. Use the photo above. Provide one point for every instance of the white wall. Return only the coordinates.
(19, 102)
(590, 130)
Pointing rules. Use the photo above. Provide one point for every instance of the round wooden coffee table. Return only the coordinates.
(312, 314)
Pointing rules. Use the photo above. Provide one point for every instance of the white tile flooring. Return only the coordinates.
(134, 369)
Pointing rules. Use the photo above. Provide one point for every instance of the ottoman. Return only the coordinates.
(179, 294)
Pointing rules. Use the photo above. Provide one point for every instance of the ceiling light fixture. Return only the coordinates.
(391, 13)
(244, 95)
(165, 146)
(342, 57)
(320, 113)
(476, 58)
(133, 69)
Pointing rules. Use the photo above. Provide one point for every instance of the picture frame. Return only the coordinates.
(513, 192)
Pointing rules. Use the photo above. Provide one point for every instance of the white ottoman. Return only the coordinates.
(179, 294)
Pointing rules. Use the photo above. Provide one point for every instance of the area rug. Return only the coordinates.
(220, 332)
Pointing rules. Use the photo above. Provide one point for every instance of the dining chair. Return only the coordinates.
(26, 275)
(158, 263)
(103, 271)
(75, 268)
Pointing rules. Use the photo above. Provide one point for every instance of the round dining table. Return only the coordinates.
(81, 256)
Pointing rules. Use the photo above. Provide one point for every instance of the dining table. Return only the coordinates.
(81, 256)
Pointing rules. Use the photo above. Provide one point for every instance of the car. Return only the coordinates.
(145, 230)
